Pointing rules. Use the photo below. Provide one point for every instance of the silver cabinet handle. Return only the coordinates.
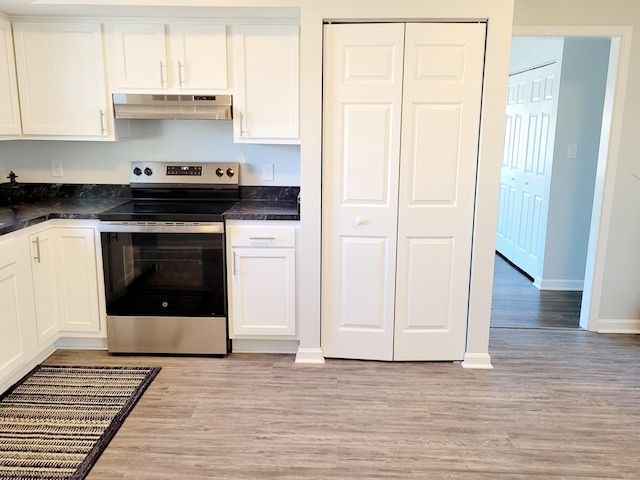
(161, 74)
(37, 243)
(263, 239)
(180, 73)
(235, 270)
(102, 129)
(243, 131)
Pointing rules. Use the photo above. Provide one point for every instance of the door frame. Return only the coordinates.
(607, 155)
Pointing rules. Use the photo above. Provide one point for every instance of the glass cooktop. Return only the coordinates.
(168, 211)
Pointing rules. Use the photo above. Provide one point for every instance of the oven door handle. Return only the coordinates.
(159, 227)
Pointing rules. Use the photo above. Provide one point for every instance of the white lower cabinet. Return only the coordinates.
(18, 338)
(49, 290)
(261, 266)
(43, 271)
(77, 280)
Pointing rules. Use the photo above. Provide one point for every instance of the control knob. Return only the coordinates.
(219, 172)
(230, 172)
(137, 172)
(148, 171)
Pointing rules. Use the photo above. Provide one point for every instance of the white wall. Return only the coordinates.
(176, 140)
(620, 295)
(579, 120)
(529, 52)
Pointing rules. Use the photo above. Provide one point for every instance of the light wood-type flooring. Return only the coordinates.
(559, 404)
(517, 303)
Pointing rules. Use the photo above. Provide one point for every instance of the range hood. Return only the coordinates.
(172, 107)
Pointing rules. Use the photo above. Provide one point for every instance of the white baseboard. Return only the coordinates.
(612, 325)
(477, 360)
(243, 345)
(309, 355)
(558, 284)
(81, 343)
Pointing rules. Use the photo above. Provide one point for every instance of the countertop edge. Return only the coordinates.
(245, 206)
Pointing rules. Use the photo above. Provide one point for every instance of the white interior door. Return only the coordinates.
(362, 112)
(537, 153)
(440, 129)
(528, 153)
(510, 167)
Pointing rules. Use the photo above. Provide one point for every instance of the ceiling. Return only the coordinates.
(140, 8)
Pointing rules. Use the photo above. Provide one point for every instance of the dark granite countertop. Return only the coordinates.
(262, 210)
(22, 214)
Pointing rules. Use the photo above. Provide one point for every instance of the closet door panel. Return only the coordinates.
(434, 165)
(441, 121)
(363, 97)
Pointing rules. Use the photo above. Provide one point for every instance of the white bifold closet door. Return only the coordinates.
(401, 127)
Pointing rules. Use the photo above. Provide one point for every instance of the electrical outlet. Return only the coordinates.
(267, 171)
(56, 168)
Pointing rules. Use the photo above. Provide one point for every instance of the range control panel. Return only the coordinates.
(184, 170)
(184, 173)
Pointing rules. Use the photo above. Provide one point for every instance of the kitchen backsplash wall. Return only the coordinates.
(165, 140)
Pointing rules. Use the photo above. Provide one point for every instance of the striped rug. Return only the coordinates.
(55, 422)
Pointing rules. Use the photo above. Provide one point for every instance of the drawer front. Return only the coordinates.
(261, 236)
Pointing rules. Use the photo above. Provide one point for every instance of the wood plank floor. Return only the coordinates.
(517, 303)
(560, 404)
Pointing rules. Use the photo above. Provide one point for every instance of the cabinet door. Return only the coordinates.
(198, 56)
(43, 270)
(262, 291)
(17, 325)
(77, 280)
(266, 84)
(9, 107)
(138, 58)
(61, 78)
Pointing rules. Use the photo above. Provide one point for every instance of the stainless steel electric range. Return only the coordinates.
(164, 262)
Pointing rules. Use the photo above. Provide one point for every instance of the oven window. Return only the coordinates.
(164, 274)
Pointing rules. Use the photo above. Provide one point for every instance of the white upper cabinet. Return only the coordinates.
(9, 106)
(61, 80)
(138, 57)
(266, 83)
(198, 56)
(173, 58)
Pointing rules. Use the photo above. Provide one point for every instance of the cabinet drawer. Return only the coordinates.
(261, 236)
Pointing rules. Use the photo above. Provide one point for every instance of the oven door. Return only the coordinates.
(165, 287)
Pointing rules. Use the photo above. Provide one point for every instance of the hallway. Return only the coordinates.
(516, 303)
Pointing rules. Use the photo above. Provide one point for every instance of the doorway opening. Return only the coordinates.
(556, 143)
